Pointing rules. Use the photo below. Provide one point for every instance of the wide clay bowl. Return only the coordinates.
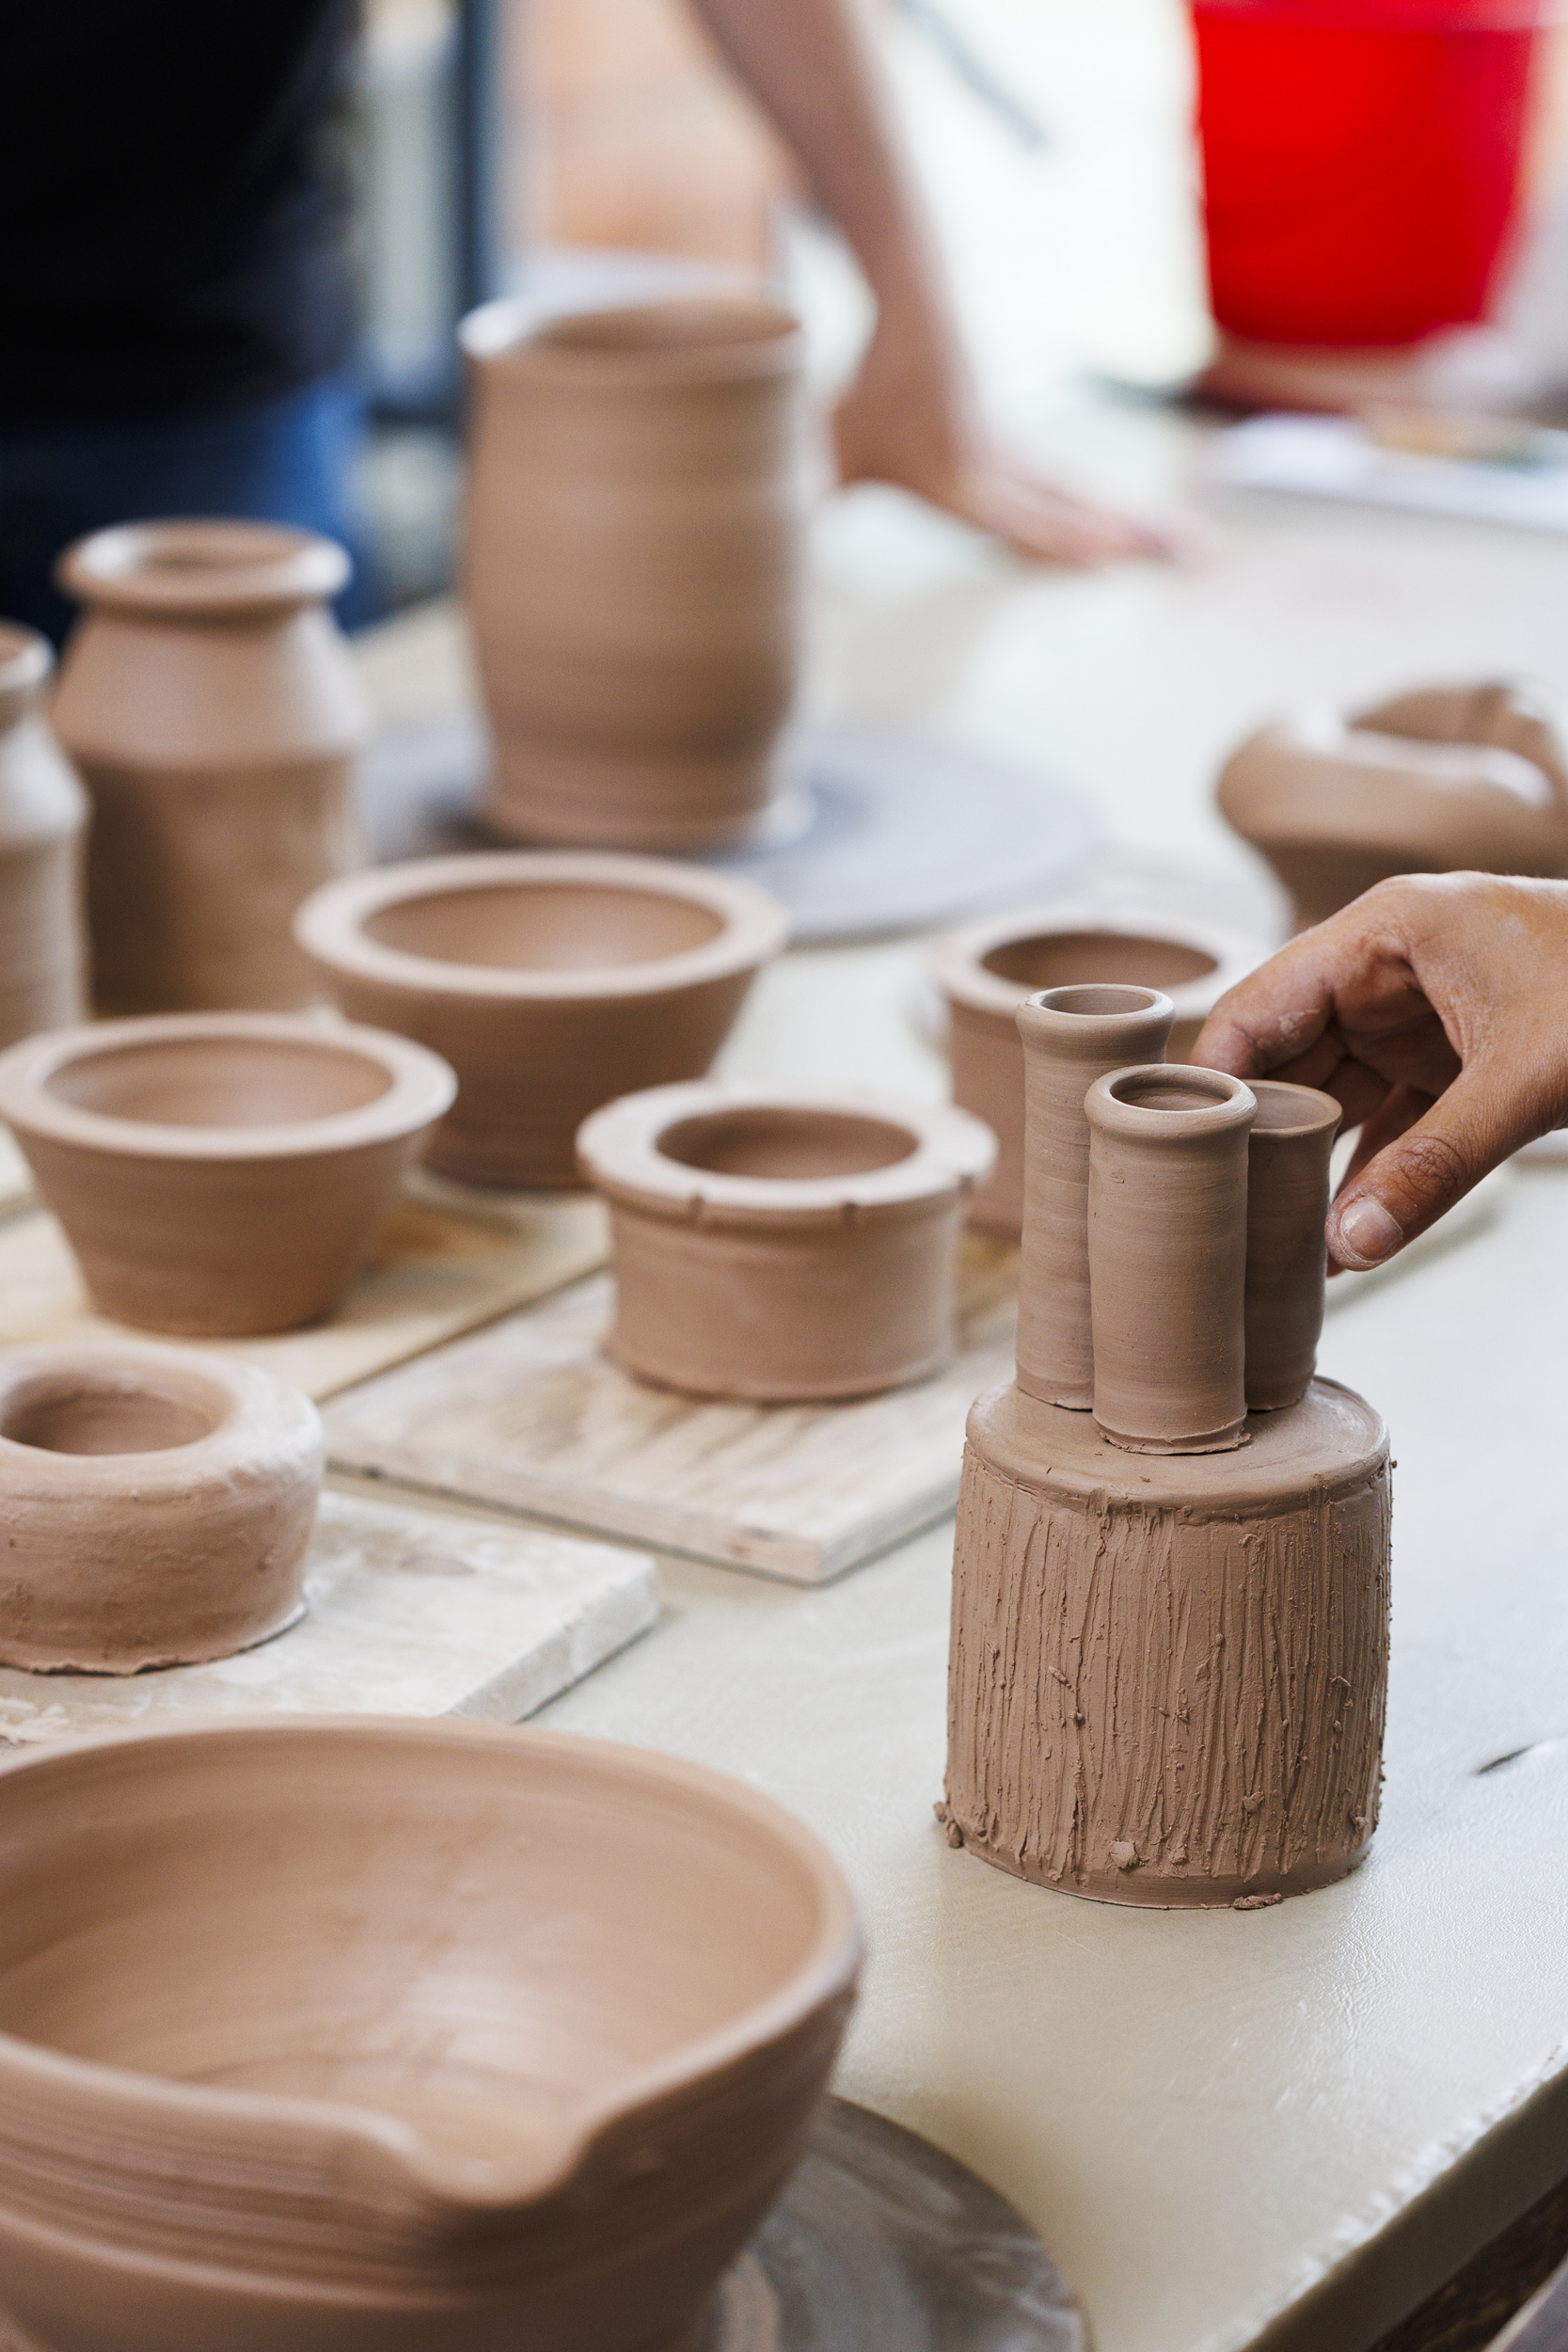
(219, 1174)
(156, 1506)
(551, 982)
(354, 2035)
(782, 1247)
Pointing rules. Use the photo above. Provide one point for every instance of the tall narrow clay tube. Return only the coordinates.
(1072, 1035)
(1288, 1152)
(1167, 1257)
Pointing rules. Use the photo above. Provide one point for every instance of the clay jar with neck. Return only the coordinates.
(212, 708)
(1287, 1204)
(634, 538)
(43, 816)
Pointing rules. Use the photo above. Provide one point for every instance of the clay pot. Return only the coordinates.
(43, 816)
(366, 2036)
(1167, 1257)
(781, 1247)
(155, 1507)
(634, 545)
(551, 983)
(988, 969)
(219, 1174)
(1287, 1202)
(213, 709)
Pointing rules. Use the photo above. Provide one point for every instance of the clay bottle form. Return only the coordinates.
(213, 706)
(1288, 1186)
(634, 543)
(1072, 1037)
(1167, 1257)
(44, 815)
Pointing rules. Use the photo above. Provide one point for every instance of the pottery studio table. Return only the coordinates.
(1283, 2128)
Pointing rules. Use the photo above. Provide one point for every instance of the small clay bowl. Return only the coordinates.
(988, 969)
(782, 1247)
(552, 982)
(386, 2036)
(156, 1506)
(219, 1174)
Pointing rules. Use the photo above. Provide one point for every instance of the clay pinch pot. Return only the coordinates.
(552, 982)
(357, 2035)
(780, 1247)
(156, 1506)
(219, 1174)
(43, 818)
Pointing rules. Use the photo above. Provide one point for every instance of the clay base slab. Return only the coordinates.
(530, 1416)
(408, 1612)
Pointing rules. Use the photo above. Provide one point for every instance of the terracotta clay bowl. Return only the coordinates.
(551, 981)
(361, 2035)
(987, 970)
(782, 1247)
(219, 1174)
(156, 1506)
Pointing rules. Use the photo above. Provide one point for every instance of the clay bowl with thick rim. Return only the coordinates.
(219, 1174)
(782, 1247)
(552, 982)
(361, 2035)
(156, 1506)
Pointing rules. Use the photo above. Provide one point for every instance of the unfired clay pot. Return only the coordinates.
(635, 522)
(781, 1247)
(551, 981)
(156, 1506)
(368, 2035)
(988, 969)
(43, 816)
(221, 1174)
(1287, 1204)
(213, 706)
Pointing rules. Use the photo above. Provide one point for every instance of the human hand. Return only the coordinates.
(1434, 1009)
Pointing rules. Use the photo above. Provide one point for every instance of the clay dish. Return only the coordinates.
(155, 1507)
(353, 2035)
(219, 1174)
(551, 981)
(782, 1247)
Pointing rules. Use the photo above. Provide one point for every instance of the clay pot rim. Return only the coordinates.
(957, 960)
(26, 658)
(241, 1392)
(329, 926)
(508, 337)
(423, 1088)
(825, 1974)
(109, 570)
(1315, 1110)
(1233, 1104)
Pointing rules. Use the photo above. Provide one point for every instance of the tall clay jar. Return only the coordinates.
(1288, 1190)
(44, 815)
(633, 568)
(212, 705)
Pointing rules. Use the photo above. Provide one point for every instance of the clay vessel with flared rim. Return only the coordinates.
(551, 981)
(241, 2105)
(987, 970)
(213, 706)
(634, 542)
(1444, 779)
(221, 1174)
(1167, 1257)
(782, 1247)
(43, 816)
(1068, 1037)
(1287, 1204)
(156, 1506)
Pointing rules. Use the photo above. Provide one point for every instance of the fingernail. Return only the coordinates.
(1367, 1232)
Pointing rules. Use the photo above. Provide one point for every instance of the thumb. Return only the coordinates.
(1415, 1179)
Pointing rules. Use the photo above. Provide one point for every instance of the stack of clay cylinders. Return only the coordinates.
(1288, 1193)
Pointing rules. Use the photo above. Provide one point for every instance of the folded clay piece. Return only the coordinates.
(782, 1247)
(375, 2036)
(156, 1506)
(551, 981)
(1287, 1205)
(43, 817)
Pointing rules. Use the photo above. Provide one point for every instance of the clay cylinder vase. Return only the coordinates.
(43, 816)
(212, 708)
(634, 543)
(782, 1248)
(551, 981)
(1287, 1204)
(1070, 1036)
(221, 1174)
(154, 1508)
(1167, 1257)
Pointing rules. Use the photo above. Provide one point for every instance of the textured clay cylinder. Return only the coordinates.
(1288, 1188)
(213, 706)
(1072, 1037)
(44, 815)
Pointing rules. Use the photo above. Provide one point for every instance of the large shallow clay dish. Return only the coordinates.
(551, 981)
(358, 2036)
